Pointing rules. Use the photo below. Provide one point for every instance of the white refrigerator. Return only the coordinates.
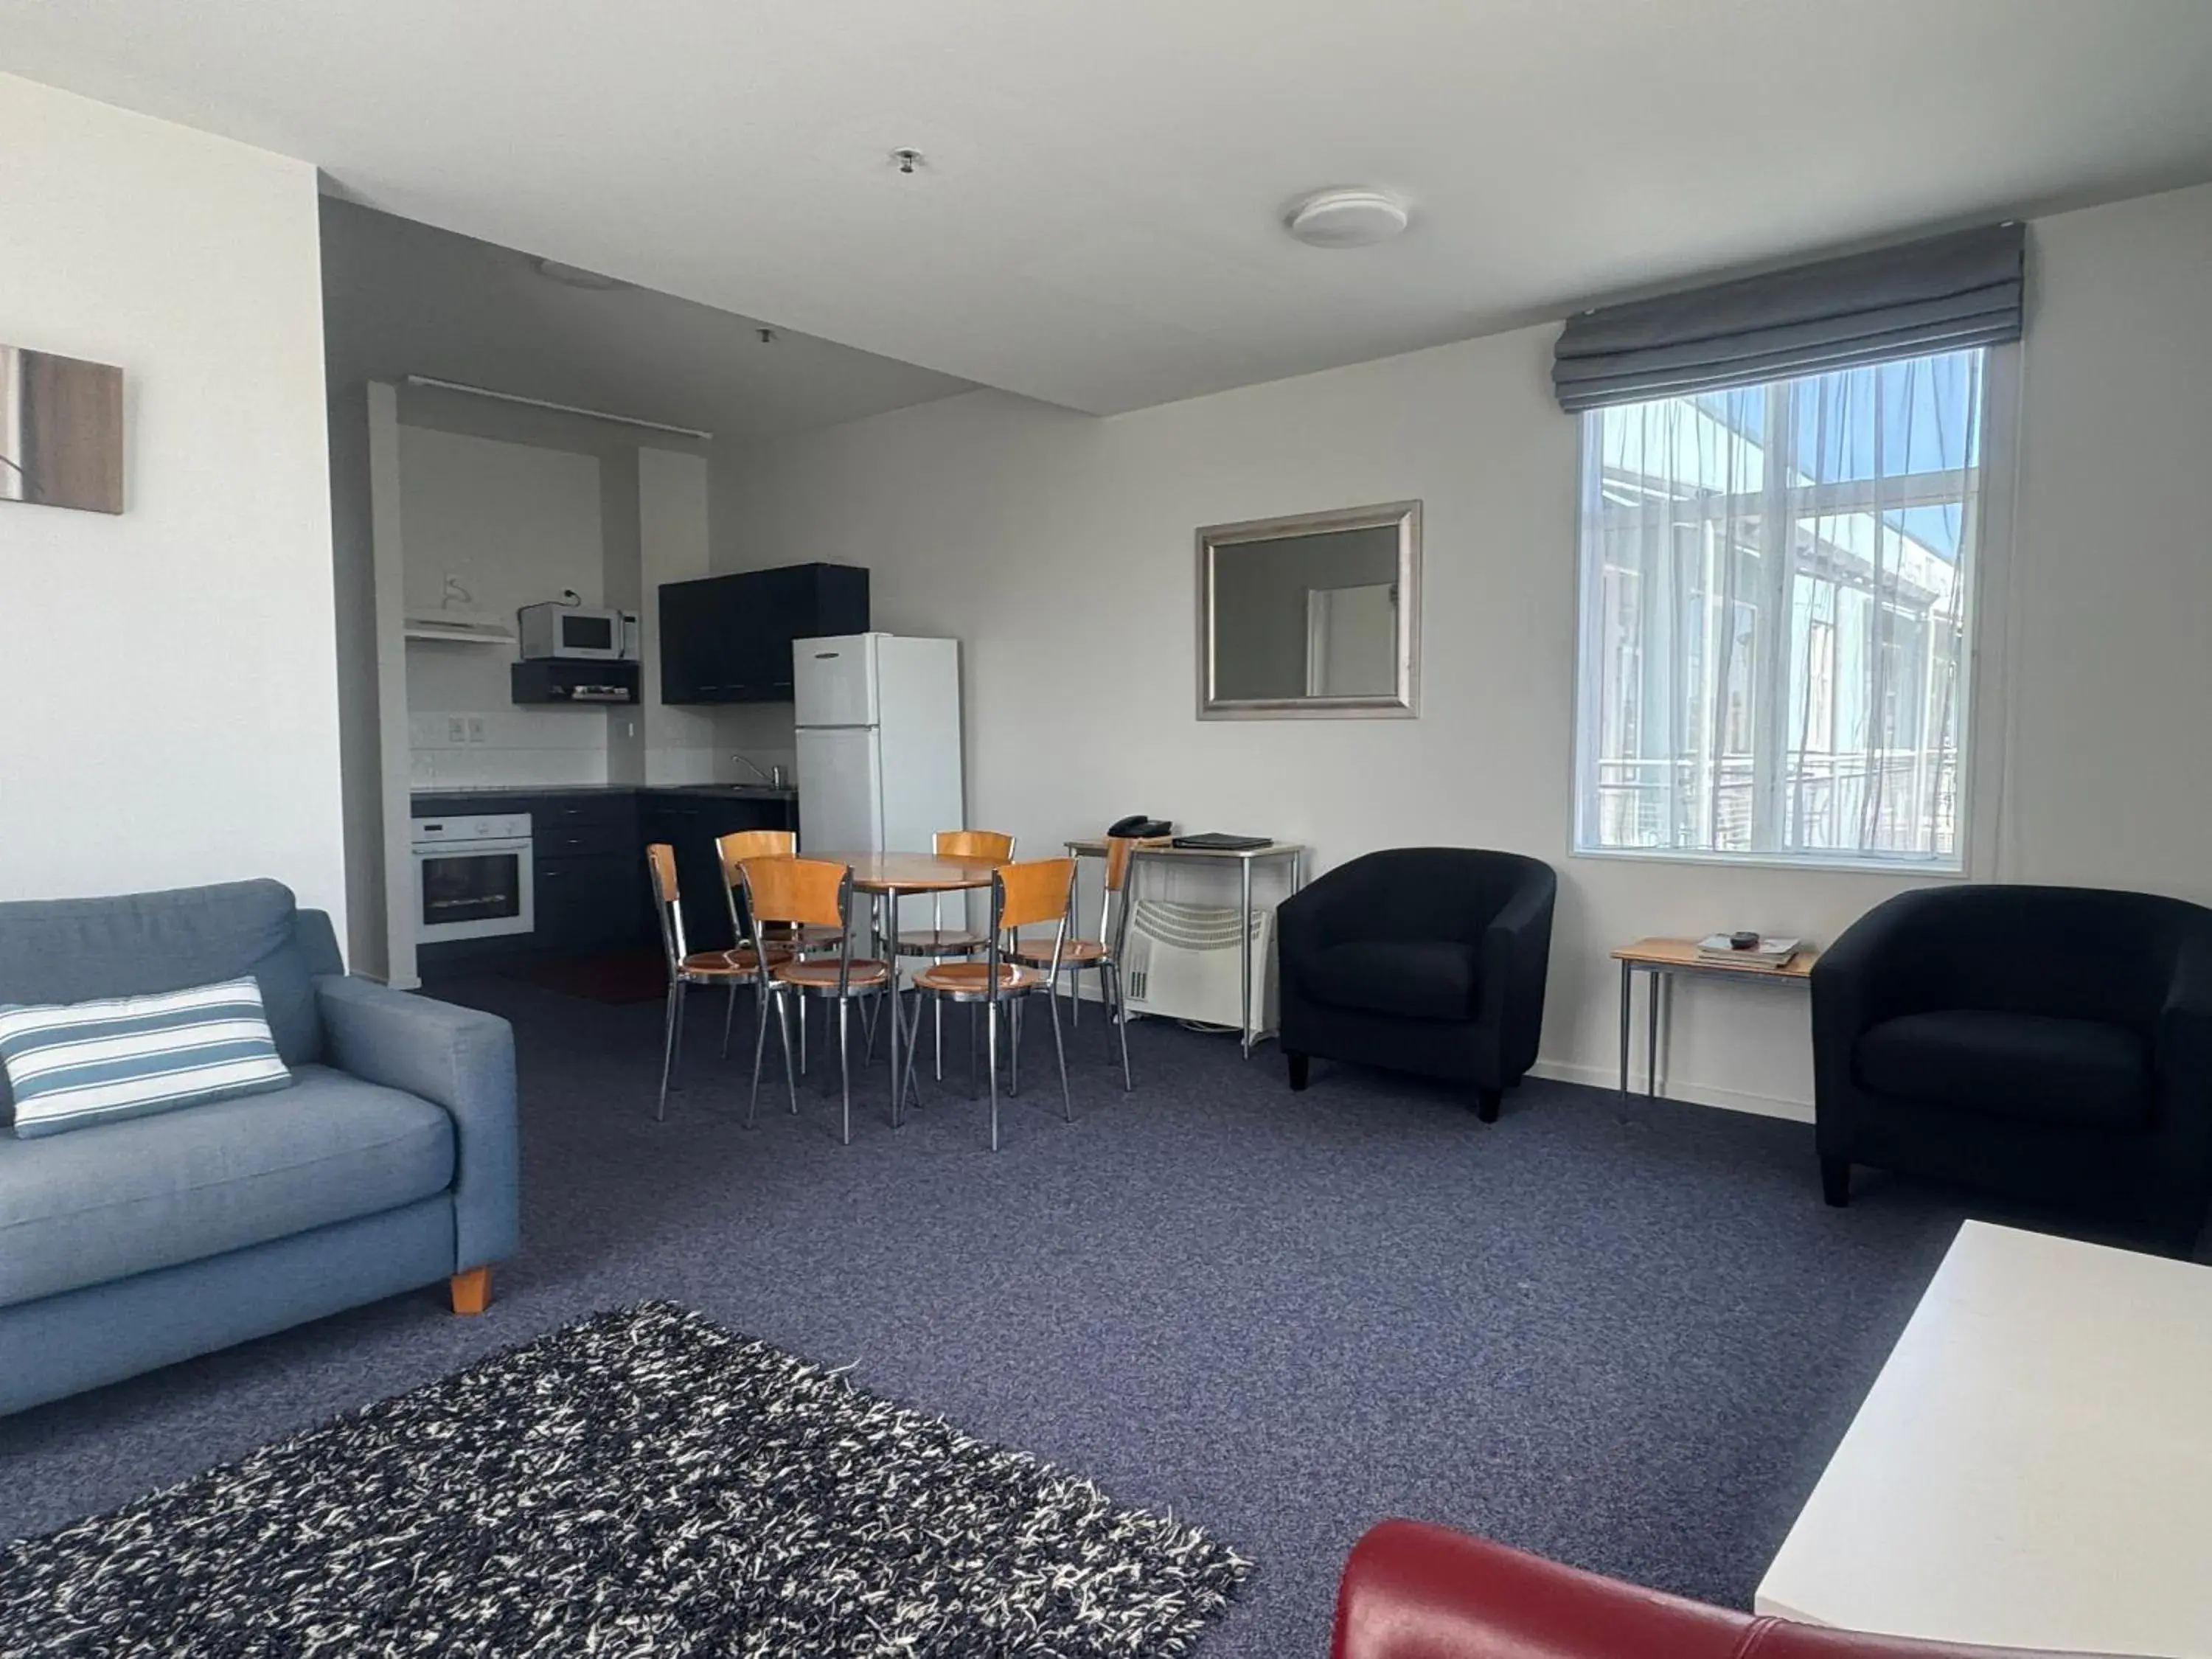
(879, 727)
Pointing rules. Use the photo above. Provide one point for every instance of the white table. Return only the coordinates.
(2033, 1466)
(1285, 852)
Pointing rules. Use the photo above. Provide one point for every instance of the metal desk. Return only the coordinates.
(1281, 852)
(1663, 958)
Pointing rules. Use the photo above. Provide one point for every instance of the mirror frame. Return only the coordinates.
(1402, 704)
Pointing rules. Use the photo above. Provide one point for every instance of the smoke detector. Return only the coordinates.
(1346, 218)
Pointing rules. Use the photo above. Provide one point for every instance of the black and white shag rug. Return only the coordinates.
(642, 1483)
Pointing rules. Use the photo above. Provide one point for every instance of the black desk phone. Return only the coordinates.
(1143, 828)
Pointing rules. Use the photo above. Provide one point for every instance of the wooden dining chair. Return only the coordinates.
(810, 893)
(734, 849)
(1022, 896)
(1104, 955)
(730, 968)
(937, 942)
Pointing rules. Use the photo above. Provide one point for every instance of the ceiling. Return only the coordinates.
(1098, 220)
(401, 298)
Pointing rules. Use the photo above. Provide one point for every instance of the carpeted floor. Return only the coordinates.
(1627, 1335)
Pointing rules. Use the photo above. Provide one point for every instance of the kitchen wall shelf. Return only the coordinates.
(563, 683)
(458, 628)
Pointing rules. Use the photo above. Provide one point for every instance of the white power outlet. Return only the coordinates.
(457, 729)
(476, 729)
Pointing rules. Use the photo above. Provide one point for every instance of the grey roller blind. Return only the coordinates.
(1941, 294)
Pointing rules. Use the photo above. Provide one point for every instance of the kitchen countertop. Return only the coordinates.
(495, 793)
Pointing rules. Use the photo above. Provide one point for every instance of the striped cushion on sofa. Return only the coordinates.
(73, 1064)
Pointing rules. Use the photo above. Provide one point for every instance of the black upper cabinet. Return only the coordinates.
(728, 639)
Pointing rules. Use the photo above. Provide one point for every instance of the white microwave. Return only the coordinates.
(553, 630)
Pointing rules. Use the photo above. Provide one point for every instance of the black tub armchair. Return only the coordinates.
(2054, 1042)
(1424, 959)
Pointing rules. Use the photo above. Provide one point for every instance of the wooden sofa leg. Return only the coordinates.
(1486, 1104)
(1836, 1181)
(1301, 1070)
(473, 1291)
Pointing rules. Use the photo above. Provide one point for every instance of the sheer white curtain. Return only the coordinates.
(1776, 585)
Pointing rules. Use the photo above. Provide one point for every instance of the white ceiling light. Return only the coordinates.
(1346, 218)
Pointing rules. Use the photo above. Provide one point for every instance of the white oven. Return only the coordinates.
(472, 876)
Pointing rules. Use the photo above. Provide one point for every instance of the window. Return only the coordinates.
(1776, 584)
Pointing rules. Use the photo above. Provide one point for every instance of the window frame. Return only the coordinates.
(1985, 649)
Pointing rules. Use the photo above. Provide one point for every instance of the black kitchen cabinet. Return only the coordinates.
(587, 904)
(691, 823)
(728, 639)
(591, 889)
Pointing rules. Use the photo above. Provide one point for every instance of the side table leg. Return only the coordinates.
(1245, 953)
(1628, 1016)
(1651, 1040)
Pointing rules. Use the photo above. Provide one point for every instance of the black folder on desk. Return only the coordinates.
(1215, 841)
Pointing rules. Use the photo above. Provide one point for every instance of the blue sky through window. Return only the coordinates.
(1919, 415)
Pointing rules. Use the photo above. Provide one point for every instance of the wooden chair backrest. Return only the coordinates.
(984, 846)
(1039, 890)
(742, 844)
(1118, 860)
(660, 862)
(809, 892)
(660, 859)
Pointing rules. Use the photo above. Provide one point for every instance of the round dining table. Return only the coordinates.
(887, 877)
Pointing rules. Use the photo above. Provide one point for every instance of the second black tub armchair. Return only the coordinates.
(1423, 959)
(2053, 1040)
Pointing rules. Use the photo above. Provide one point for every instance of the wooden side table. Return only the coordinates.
(1660, 960)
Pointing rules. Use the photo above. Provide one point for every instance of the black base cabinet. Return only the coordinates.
(592, 889)
(690, 823)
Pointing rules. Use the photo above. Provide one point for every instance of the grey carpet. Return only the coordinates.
(1627, 1336)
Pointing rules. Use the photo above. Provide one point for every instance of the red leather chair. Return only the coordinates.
(1415, 1591)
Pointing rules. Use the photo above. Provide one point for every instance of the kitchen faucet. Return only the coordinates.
(774, 777)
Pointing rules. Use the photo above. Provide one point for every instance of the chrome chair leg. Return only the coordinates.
(1060, 1053)
(845, 1067)
(991, 1016)
(783, 1025)
(668, 1047)
(1106, 1007)
(761, 996)
(729, 1018)
(1014, 1046)
(906, 1083)
(1120, 1014)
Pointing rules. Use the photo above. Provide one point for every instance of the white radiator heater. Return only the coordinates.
(1183, 962)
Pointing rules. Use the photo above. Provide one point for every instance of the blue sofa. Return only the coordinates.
(391, 1162)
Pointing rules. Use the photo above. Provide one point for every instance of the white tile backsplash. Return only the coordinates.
(523, 747)
(533, 747)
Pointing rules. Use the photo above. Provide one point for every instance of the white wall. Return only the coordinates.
(513, 523)
(1059, 549)
(170, 674)
(682, 745)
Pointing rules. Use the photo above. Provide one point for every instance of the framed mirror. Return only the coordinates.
(1312, 616)
(61, 431)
